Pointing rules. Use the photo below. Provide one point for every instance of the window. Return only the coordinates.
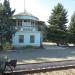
(21, 38)
(32, 23)
(25, 20)
(19, 22)
(32, 39)
(27, 23)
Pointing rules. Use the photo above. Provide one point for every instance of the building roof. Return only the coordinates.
(24, 15)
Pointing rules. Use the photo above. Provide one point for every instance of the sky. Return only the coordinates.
(42, 8)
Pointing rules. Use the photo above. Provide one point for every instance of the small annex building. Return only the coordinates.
(28, 32)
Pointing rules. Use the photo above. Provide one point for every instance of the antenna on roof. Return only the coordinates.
(24, 6)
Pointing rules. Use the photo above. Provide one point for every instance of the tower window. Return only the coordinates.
(25, 20)
(19, 22)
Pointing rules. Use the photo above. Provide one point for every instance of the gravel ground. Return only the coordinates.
(58, 72)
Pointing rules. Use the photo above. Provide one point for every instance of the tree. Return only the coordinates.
(58, 17)
(57, 23)
(1, 25)
(7, 25)
(72, 24)
(71, 29)
(8, 18)
(42, 27)
(7, 9)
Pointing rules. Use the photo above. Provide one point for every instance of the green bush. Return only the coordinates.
(27, 46)
(30, 46)
(7, 46)
(1, 47)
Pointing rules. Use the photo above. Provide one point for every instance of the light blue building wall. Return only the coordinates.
(27, 39)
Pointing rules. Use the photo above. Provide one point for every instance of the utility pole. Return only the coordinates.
(24, 6)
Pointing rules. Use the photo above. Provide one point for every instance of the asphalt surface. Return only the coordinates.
(47, 54)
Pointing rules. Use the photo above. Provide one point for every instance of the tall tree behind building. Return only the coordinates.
(57, 24)
(71, 29)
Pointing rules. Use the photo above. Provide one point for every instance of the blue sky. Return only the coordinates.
(42, 8)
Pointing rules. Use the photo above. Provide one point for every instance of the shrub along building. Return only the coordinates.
(29, 30)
